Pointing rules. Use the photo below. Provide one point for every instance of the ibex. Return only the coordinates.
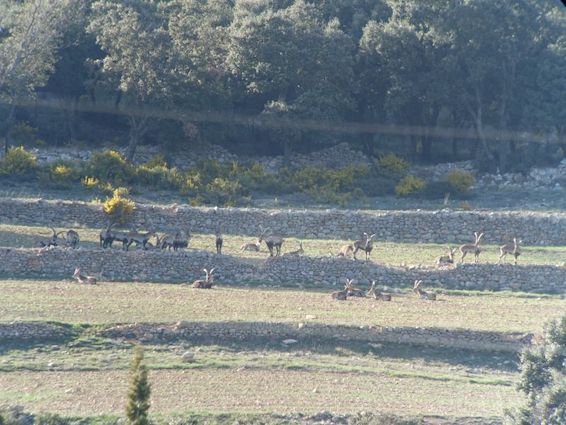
(207, 282)
(475, 248)
(53, 241)
(253, 246)
(445, 260)
(271, 241)
(181, 240)
(346, 251)
(219, 241)
(91, 280)
(298, 251)
(341, 295)
(353, 292)
(513, 249)
(165, 241)
(139, 239)
(108, 236)
(423, 294)
(365, 244)
(72, 238)
(373, 292)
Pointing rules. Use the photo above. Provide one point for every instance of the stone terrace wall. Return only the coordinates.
(399, 226)
(323, 271)
(252, 331)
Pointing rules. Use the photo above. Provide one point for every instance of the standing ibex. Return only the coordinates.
(365, 244)
(271, 241)
(445, 260)
(139, 239)
(72, 238)
(513, 249)
(346, 251)
(219, 241)
(82, 278)
(181, 240)
(475, 248)
(109, 236)
(423, 294)
(207, 282)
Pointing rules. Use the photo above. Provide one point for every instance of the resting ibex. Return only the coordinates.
(82, 278)
(423, 294)
(353, 292)
(253, 246)
(70, 239)
(298, 251)
(511, 248)
(271, 241)
(207, 282)
(365, 244)
(475, 248)
(445, 260)
(373, 292)
(219, 241)
(343, 294)
(53, 241)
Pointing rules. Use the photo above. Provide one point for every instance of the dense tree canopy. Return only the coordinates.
(274, 75)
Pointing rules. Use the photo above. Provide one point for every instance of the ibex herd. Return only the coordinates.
(373, 292)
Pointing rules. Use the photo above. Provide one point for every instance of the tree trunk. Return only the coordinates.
(8, 127)
(138, 127)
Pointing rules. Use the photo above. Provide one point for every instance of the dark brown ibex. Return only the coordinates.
(365, 244)
(272, 241)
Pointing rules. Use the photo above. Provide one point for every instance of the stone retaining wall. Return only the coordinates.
(253, 331)
(258, 331)
(30, 331)
(399, 226)
(324, 271)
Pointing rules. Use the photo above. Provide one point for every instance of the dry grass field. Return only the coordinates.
(112, 302)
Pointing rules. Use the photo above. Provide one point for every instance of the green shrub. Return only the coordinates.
(159, 177)
(110, 166)
(392, 164)
(460, 181)
(409, 185)
(119, 208)
(19, 162)
(60, 175)
(224, 192)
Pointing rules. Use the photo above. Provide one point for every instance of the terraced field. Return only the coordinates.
(448, 379)
(387, 253)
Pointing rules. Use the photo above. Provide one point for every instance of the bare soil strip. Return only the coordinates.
(243, 390)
